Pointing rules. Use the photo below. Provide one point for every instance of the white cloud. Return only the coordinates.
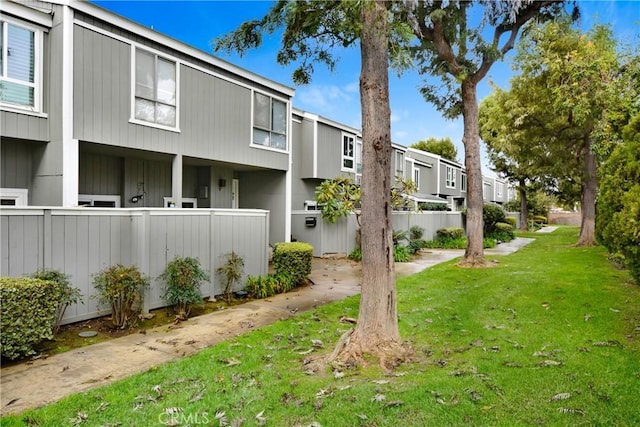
(324, 98)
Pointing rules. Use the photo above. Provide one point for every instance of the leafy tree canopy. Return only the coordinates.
(443, 147)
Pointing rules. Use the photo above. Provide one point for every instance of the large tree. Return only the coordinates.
(511, 140)
(575, 79)
(457, 52)
(311, 30)
(443, 147)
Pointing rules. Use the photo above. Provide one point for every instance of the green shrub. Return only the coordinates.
(293, 258)
(231, 271)
(70, 295)
(450, 233)
(430, 206)
(488, 243)
(491, 215)
(269, 285)
(183, 277)
(123, 289)
(355, 254)
(416, 233)
(29, 309)
(399, 236)
(512, 221)
(540, 219)
(415, 245)
(503, 232)
(447, 243)
(401, 254)
(618, 209)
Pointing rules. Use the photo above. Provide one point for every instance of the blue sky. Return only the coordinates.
(335, 94)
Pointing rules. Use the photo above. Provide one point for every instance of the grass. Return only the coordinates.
(548, 336)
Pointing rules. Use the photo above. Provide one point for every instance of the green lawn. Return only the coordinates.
(548, 336)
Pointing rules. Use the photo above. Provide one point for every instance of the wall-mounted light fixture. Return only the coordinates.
(222, 183)
(137, 198)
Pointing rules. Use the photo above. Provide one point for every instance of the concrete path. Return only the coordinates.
(547, 229)
(43, 381)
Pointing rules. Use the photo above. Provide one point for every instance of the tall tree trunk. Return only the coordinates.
(474, 254)
(588, 197)
(524, 210)
(376, 332)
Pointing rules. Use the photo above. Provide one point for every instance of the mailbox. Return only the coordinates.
(310, 221)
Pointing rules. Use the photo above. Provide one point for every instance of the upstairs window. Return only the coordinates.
(20, 66)
(155, 89)
(399, 163)
(463, 183)
(499, 190)
(348, 152)
(269, 122)
(451, 177)
(416, 177)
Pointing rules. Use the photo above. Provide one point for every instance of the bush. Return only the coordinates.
(447, 243)
(491, 215)
(430, 206)
(269, 285)
(503, 233)
(618, 209)
(70, 295)
(540, 219)
(183, 277)
(294, 259)
(512, 221)
(399, 236)
(449, 233)
(415, 245)
(123, 289)
(401, 254)
(231, 271)
(416, 233)
(29, 309)
(355, 254)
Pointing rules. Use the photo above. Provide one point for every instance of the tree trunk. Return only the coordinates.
(524, 210)
(474, 254)
(376, 332)
(588, 197)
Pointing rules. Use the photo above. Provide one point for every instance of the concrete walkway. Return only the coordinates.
(547, 229)
(43, 381)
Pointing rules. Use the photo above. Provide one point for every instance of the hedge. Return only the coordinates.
(29, 309)
(293, 259)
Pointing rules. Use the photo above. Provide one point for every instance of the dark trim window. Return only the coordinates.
(416, 177)
(463, 182)
(348, 152)
(269, 122)
(451, 177)
(155, 99)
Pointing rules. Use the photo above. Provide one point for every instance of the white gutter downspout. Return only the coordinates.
(288, 178)
(70, 146)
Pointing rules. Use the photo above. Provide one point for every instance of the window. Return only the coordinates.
(399, 163)
(348, 152)
(98, 201)
(463, 183)
(499, 190)
(269, 122)
(155, 89)
(359, 156)
(14, 197)
(451, 177)
(416, 177)
(20, 66)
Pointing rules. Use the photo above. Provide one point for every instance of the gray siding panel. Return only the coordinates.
(215, 114)
(329, 152)
(15, 164)
(24, 126)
